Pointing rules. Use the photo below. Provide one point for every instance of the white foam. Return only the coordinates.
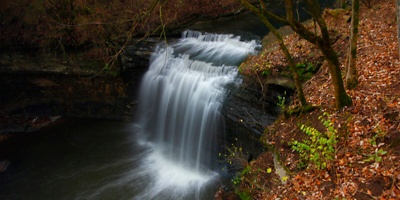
(167, 179)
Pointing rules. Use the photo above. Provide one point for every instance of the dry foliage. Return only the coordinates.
(98, 28)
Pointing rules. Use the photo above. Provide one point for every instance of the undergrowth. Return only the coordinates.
(320, 149)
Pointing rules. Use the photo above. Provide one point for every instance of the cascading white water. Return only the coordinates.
(179, 111)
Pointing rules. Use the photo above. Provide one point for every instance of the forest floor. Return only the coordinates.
(366, 163)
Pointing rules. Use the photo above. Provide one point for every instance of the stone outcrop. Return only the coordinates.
(248, 111)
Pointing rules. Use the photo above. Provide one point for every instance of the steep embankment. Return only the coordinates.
(366, 159)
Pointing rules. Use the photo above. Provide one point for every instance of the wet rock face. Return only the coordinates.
(247, 112)
(54, 94)
(136, 57)
(32, 89)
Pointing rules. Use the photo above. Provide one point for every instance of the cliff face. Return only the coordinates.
(248, 111)
(47, 88)
(34, 90)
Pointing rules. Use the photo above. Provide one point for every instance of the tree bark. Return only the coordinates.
(341, 97)
(352, 77)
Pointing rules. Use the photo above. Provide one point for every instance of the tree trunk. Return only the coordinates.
(341, 97)
(351, 77)
(282, 45)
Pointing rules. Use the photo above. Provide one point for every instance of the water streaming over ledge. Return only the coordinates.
(179, 112)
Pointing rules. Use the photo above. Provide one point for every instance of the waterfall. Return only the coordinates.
(179, 115)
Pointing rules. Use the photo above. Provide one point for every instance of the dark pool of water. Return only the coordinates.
(71, 161)
(92, 159)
